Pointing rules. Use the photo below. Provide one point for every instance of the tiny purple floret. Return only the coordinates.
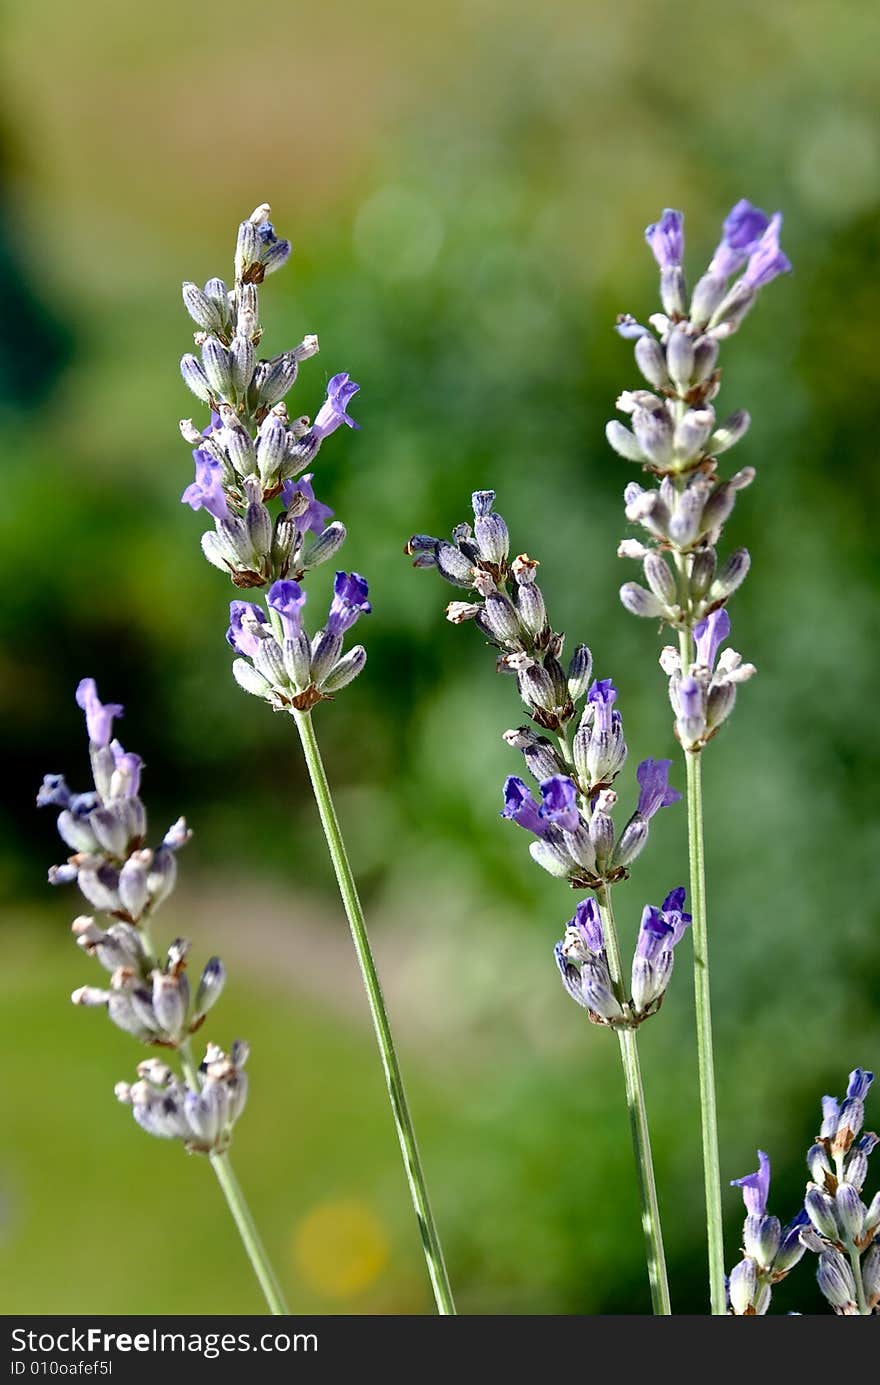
(743, 228)
(559, 802)
(656, 793)
(767, 260)
(349, 602)
(99, 715)
(238, 635)
(520, 806)
(288, 598)
(709, 635)
(587, 923)
(207, 491)
(333, 412)
(313, 519)
(755, 1187)
(666, 239)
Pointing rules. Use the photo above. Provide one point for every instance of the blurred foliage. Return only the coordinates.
(466, 188)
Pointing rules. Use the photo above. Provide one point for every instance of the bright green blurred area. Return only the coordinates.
(466, 188)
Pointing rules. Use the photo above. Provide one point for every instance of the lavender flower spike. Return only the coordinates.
(666, 239)
(99, 715)
(349, 602)
(656, 792)
(333, 412)
(755, 1187)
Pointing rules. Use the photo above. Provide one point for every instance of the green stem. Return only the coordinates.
(702, 998)
(381, 1024)
(239, 1209)
(855, 1260)
(638, 1119)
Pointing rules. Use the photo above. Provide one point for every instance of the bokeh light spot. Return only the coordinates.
(340, 1248)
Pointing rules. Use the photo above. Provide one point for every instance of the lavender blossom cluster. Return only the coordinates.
(833, 1223)
(147, 997)
(252, 453)
(571, 819)
(676, 437)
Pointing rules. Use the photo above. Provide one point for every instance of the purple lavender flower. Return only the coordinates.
(743, 228)
(859, 1082)
(128, 767)
(521, 807)
(53, 792)
(340, 391)
(99, 715)
(709, 634)
(314, 518)
(767, 260)
(288, 598)
(755, 1187)
(559, 802)
(238, 634)
(587, 923)
(349, 602)
(656, 793)
(662, 928)
(206, 492)
(666, 239)
(602, 696)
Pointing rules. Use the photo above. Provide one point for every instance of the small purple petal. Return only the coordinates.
(53, 792)
(559, 802)
(288, 598)
(654, 934)
(602, 696)
(238, 635)
(207, 491)
(587, 922)
(349, 602)
(755, 1187)
(859, 1082)
(743, 228)
(99, 716)
(131, 765)
(521, 807)
(333, 412)
(767, 261)
(666, 239)
(709, 634)
(314, 518)
(653, 777)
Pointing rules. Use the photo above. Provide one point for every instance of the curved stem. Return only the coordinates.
(702, 999)
(638, 1119)
(239, 1209)
(396, 1092)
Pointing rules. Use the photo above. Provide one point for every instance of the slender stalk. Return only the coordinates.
(638, 1119)
(855, 1260)
(396, 1092)
(239, 1209)
(702, 998)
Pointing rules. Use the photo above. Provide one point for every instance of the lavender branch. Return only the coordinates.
(250, 455)
(676, 437)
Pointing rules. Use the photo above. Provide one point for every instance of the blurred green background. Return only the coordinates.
(466, 187)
